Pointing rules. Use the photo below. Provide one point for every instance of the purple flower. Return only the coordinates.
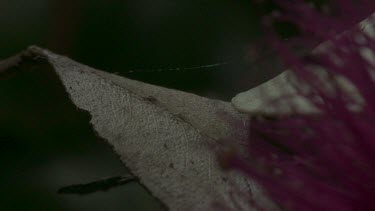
(326, 160)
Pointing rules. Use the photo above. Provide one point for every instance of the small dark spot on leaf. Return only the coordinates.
(151, 99)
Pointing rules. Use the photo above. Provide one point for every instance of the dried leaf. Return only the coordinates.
(166, 137)
(258, 100)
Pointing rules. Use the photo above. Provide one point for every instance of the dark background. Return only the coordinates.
(46, 144)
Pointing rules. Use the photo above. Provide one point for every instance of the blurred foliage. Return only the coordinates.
(47, 144)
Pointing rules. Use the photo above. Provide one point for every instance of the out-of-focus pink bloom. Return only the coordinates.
(322, 161)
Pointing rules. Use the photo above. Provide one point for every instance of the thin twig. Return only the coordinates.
(100, 185)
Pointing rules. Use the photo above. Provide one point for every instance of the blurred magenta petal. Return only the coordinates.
(324, 161)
